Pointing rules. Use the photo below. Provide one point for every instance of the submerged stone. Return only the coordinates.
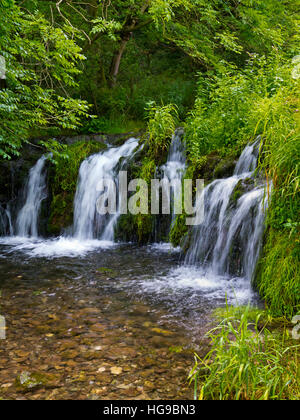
(28, 381)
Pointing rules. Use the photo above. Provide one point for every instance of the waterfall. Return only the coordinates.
(35, 193)
(6, 226)
(175, 166)
(3, 221)
(229, 239)
(88, 224)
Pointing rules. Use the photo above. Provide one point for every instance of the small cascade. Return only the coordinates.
(172, 171)
(175, 166)
(248, 159)
(88, 224)
(6, 226)
(3, 221)
(35, 193)
(228, 241)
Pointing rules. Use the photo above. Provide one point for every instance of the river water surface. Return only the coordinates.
(104, 320)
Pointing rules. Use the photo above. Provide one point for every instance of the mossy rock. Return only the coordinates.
(108, 272)
(30, 381)
(203, 167)
(243, 186)
(224, 169)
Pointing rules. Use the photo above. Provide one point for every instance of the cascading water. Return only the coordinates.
(6, 226)
(35, 193)
(175, 165)
(88, 224)
(222, 251)
(172, 171)
(228, 241)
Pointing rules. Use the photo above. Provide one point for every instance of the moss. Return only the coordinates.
(179, 231)
(27, 381)
(63, 182)
(211, 166)
(106, 272)
(125, 230)
(225, 168)
(243, 186)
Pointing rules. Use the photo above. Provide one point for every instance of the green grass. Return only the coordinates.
(278, 274)
(247, 360)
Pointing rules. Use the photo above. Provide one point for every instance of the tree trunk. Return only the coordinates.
(115, 66)
(131, 25)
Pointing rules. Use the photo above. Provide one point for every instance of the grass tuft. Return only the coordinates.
(247, 361)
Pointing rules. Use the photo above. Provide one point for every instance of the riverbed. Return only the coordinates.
(99, 320)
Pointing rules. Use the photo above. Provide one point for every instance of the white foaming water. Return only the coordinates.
(35, 193)
(248, 159)
(193, 281)
(229, 239)
(163, 247)
(230, 235)
(88, 224)
(174, 168)
(53, 248)
(6, 226)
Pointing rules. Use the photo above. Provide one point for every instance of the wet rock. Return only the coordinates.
(88, 311)
(91, 355)
(69, 354)
(149, 385)
(224, 168)
(243, 186)
(29, 381)
(147, 373)
(163, 332)
(7, 385)
(97, 328)
(139, 310)
(115, 370)
(106, 272)
(160, 341)
(104, 378)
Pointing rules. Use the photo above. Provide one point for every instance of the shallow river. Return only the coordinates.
(103, 320)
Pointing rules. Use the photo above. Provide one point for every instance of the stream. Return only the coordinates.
(78, 313)
(89, 317)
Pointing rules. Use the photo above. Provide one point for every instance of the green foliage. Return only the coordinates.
(247, 361)
(160, 128)
(148, 52)
(278, 274)
(41, 62)
(58, 151)
(233, 108)
(161, 44)
(111, 126)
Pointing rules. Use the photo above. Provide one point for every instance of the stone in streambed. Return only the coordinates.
(30, 381)
(115, 370)
(163, 332)
(160, 341)
(107, 272)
